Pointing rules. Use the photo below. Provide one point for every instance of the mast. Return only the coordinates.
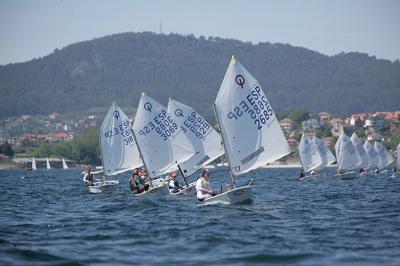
(223, 142)
(141, 157)
(183, 175)
(101, 155)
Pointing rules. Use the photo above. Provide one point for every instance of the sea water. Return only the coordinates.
(48, 217)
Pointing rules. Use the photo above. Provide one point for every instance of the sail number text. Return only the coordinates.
(197, 125)
(124, 129)
(162, 124)
(257, 108)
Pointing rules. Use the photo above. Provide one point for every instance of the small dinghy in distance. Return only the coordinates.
(396, 171)
(119, 152)
(251, 134)
(384, 157)
(161, 143)
(309, 157)
(361, 153)
(347, 157)
(204, 138)
(373, 160)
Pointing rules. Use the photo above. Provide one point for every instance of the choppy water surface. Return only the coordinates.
(49, 218)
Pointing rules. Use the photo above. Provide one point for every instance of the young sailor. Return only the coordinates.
(173, 184)
(88, 177)
(203, 186)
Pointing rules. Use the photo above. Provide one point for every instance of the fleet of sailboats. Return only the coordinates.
(162, 144)
(177, 138)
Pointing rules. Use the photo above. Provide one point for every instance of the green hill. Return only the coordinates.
(118, 67)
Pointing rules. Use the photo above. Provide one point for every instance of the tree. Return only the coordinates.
(299, 115)
(6, 149)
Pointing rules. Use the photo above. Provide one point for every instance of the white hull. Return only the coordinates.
(347, 175)
(190, 190)
(155, 191)
(234, 196)
(99, 187)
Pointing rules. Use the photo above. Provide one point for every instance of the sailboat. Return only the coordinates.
(361, 153)
(250, 131)
(48, 167)
(64, 163)
(373, 160)
(384, 157)
(310, 157)
(326, 155)
(33, 163)
(204, 138)
(162, 144)
(346, 156)
(397, 172)
(119, 152)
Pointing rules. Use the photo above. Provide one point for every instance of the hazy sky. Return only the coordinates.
(34, 28)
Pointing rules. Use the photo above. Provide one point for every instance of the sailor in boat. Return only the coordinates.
(88, 177)
(203, 187)
(376, 171)
(173, 184)
(362, 171)
(302, 174)
(137, 184)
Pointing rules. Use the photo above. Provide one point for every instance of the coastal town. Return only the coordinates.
(27, 132)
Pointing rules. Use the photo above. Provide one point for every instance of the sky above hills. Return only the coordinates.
(34, 28)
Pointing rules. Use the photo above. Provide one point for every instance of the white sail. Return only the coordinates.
(33, 164)
(326, 155)
(372, 155)
(309, 155)
(384, 157)
(64, 163)
(118, 146)
(48, 164)
(250, 129)
(361, 153)
(161, 142)
(346, 154)
(204, 138)
(398, 157)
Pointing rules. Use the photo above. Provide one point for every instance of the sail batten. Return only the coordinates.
(252, 135)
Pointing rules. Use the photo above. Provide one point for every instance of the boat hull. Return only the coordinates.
(347, 175)
(99, 187)
(240, 195)
(155, 191)
(190, 190)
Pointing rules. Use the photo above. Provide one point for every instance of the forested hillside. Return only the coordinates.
(118, 67)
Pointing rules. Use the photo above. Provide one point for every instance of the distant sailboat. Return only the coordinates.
(64, 163)
(204, 138)
(346, 156)
(397, 172)
(249, 128)
(48, 164)
(119, 152)
(310, 157)
(33, 164)
(384, 157)
(373, 160)
(361, 153)
(161, 142)
(326, 155)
